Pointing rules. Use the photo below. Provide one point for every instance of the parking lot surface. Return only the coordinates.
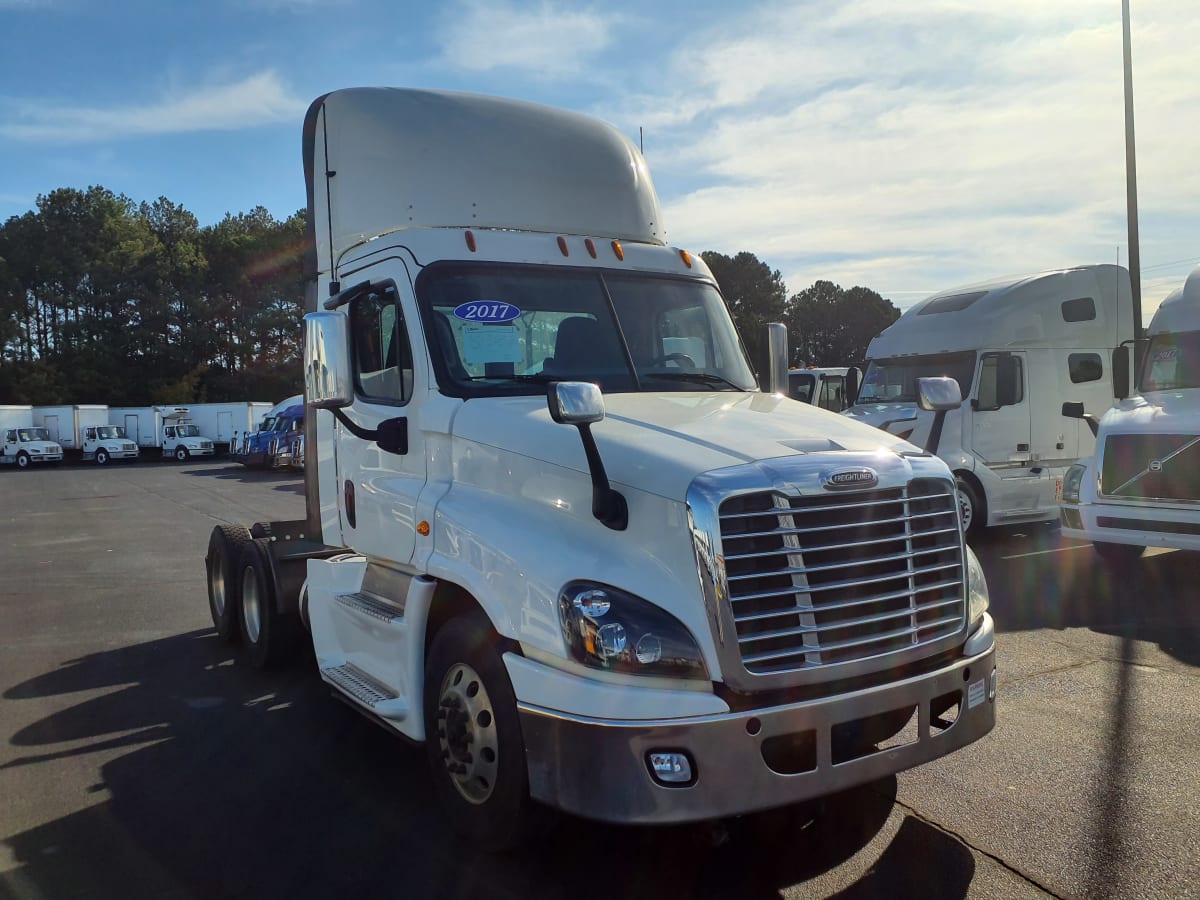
(140, 756)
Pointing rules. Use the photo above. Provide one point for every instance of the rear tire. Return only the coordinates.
(102, 457)
(972, 508)
(473, 737)
(225, 546)
(271, 636)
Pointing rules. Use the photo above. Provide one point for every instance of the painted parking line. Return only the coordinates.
(1051, 550)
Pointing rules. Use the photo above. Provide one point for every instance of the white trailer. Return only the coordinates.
(21, 442)
(1142, 487)
(710, 601)
(1017, 347)
(66, 423)
(168, 428)
(225, 423)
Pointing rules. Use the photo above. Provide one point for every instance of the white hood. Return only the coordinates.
(1157, 412)
(659, 443)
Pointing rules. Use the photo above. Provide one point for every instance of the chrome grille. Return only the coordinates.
(835, 578)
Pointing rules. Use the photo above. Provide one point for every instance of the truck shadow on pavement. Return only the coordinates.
(1039, 580)
(288, 480)
(223, 781)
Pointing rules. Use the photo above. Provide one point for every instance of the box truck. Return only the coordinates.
(586, 568)
(23, 442)
(1017, 348)
(1141, 488)
(167, 428)
(226, 423)
(65, 424)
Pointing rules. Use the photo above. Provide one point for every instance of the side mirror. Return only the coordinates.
(1076, 411)
(327, 380)
(1120, 370)
(853, 380)
(575, 403)
(938, 394)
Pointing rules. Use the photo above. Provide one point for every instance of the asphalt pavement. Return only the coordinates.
(141, 757)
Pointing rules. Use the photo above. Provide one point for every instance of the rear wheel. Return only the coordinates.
(473, 737)
(102, 457)
(972, 508)
(224, 598)
(271, 636)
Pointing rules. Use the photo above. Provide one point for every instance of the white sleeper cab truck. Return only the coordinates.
(1017, 348)
(1142, 486)
(551, 519)
(23, 442)
(832, 388)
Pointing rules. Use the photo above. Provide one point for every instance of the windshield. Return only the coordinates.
(187, 431)
(895, 380)
(33, 434)
(110, 431)
(1172, 362)
(507, 329)
(800, 386)
(268, 424)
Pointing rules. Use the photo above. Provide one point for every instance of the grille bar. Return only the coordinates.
(847, 546)
(839, 507)
(852, 582)
(856, 642)
(829, 567)
(849, 604)
(846, 623)
(859, 524)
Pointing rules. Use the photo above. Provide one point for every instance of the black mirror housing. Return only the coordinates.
(1120, 370)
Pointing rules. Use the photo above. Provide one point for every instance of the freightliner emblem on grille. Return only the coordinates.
(858, 477)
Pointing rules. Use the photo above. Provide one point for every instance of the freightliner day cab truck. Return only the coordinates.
(1142, 487)
(22, 443)
(585, 567)
(1010, 344)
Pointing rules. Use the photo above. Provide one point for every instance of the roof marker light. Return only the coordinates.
(686, 257)
(562, 246)
(470, 241)
(618, 250)
(591, 247)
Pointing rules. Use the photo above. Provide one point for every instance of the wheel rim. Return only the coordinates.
(466, 726)
(102, 457)
(966, 509)
(251, 608)
(22, 461)
(181, 454)
(216, 577)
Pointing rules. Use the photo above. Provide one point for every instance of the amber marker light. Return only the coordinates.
(686, 257)
(562, 246)
(618, 250)
(591, 247)
(470, 241)
(423, 528)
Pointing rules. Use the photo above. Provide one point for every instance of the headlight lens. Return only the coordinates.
(977, 589)
(1071, 482)
(606, 628)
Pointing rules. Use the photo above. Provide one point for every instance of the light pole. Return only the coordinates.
(1135, 256)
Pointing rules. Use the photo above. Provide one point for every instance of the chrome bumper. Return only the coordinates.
(599, 768)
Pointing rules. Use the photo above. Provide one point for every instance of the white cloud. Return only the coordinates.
(256, 100)
(910, 147)
(549, 38)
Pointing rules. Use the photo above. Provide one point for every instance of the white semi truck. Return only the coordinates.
(1141, 488)
(586, 568)
(1015, 346)
(22, 443)
(167, 428)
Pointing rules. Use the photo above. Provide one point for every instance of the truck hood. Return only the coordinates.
(659, 443)
(1157, 412)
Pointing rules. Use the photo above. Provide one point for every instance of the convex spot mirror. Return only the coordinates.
(327, 379)
(575, 403)
(938, 394)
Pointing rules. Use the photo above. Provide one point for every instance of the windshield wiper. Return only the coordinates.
(702, 377)
(535, 377)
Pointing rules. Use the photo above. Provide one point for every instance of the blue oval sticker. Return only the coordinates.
(487, 311)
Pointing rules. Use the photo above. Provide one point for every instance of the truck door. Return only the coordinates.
(1001, 412)
(833, 393)
(378, 490)
(51, 423)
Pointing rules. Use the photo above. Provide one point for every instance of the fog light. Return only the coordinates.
(671, 768)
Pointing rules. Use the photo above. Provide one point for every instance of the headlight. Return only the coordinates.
(1071, 482)
(606, 628)
(977, 589)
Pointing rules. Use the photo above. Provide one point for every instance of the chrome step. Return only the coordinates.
(355, 683)
(370, 605)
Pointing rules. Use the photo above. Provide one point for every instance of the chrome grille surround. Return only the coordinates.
(804, 584)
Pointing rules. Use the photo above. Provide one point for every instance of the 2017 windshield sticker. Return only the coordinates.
(487, 311)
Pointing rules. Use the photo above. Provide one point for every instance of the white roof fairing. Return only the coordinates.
(403, 158)
(1181, 310)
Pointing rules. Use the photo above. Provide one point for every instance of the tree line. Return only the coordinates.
(104, 300)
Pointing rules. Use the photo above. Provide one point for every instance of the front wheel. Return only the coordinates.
(181, 454)
(473, 737)
(23, 460)
(971, 508)
(102, 457)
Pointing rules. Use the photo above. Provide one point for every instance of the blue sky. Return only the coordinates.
(908, 147)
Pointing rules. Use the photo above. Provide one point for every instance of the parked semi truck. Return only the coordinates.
(166, 428)
(1141, 488)
(273, 444)
(584, 567)
(25, 444)
(1012, 345)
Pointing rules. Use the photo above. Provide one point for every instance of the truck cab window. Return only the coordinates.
(833, 393)
(1084, 367)
(383, 369)
(1001, 381)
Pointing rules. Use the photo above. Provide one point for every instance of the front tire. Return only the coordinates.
(181, 454)
(225, 546)
(22, 460)
(473, 737)
(270, 636)
(972, 508)
(102, 457)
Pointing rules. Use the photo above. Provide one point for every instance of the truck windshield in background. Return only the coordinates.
(33, 434)
(109, 432)
(508, 329)
(1172, 362)
(187, 431)
(895, 380)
